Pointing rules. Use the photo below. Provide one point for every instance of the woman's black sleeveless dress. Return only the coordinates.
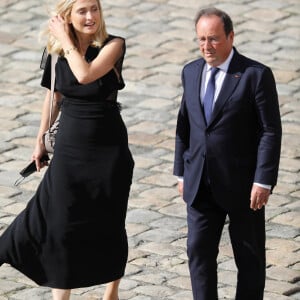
(72, 233)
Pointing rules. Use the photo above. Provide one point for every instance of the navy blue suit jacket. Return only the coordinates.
(241, 143)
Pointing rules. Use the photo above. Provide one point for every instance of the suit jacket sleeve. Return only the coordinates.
(267, 107)
(182, 135)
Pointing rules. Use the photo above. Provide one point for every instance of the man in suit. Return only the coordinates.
(227, 151)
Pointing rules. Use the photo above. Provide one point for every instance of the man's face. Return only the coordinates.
(214, 45)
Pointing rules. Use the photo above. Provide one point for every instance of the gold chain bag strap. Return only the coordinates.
(50, 134)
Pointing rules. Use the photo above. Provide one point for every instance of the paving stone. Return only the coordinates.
(160, 193)
(282, 288)
(226, 292)
(290, 31)
(280, 273)
(141, 216)
(166, 180)
(160, 248)
(291, 218)
(267, 14)
(286, 89)
(134, 229)
(274, 230)
(292, 117)
(266, 4)
(4, 147)
(9, 89)
(10, 286)
(166, 168)
(9, 207)
(156, 103)
(228, 265)
(5, 49)
(181, 269)
(276, 257)
(183, 283)
(276, 201)
(137, 74)
(155, 278)
(296, 194)
(284, 76)
(158, 292)
(284, 188)
(146, 203)
(34, 294)
(184, 295)
(148, 127)
(6, 37)
(274, 296)
(144, 139)
(8, 191)
(284, 64)
(169, 80)
(273, 212)
(27, 55)
(142, 298)
(227, 277)
(141, 62)
(293, 105)
(168, 157)
(169, 222)
(161, 235)
(259, 28)
(31, 184)
(167, 144)
(150, 115)
(13, 100)
(292, 43)
(18, 76)
(288, 177)
(176, 210)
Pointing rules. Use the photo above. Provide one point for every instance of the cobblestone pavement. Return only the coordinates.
(160, 41)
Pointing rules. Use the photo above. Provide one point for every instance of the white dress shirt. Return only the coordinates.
(219, 78)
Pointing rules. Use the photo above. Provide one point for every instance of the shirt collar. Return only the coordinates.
(225, 65)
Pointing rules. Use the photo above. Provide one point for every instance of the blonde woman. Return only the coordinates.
(72, 233)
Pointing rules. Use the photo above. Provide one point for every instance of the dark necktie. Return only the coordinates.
(209, 94)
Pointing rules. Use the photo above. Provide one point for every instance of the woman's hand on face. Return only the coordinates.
(59, 28)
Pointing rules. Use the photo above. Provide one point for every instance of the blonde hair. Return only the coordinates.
(64, 8)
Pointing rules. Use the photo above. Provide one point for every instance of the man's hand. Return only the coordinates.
(180, 187)
(259, 197)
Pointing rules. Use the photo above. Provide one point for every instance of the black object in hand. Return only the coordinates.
(31, 168)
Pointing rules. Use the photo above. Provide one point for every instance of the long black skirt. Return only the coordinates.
(72, 233)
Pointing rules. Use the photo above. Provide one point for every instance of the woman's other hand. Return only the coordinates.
(38, 153)
(59, 28)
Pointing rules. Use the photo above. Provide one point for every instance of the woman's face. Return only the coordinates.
(85, 16)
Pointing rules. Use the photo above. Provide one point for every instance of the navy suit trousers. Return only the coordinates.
(206, 220)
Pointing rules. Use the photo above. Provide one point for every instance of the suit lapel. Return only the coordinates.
(199, 71)
(195, 101)
(231, 80)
